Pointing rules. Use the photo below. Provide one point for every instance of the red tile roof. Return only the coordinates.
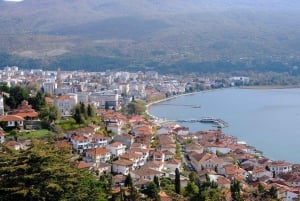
(11, 118)
(63, 98)
(98, 151)
(83, 165)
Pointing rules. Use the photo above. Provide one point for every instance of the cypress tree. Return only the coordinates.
(156, 181)
(177, 181)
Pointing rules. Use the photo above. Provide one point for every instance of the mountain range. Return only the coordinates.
(170, 35)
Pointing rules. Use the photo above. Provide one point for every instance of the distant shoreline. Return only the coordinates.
(270, 87)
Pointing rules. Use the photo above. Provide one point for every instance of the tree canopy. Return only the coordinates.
(43, 172)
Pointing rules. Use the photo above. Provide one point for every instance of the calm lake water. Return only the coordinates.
(268, 119)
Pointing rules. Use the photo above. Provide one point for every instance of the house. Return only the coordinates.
(84, 143)
(25, 110)
(122, 166)
(280, 167)
(136, 118)
(12, 121)
(168, 155)
(156, 165)
(173, 164)
(98, 155)
(79, 143)
(144, 152)
(64, 145)
(125, 139)
(194, 147)
(85, 131)
(182, 130)
(217, 147)
(116, 148)
(158, 156)
(114, 121)
(98, 140)
(205, 161)
(114, 128)
(103, 168)
(233, 171)
(65, 104)
(84, 165)
(145, 173)
(295, 182)
(163, 131)
(223, 182)
(136, 158)
(260, 171)
(143, 131)
(165, 139)
(168, 147)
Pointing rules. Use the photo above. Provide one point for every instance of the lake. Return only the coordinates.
(268, 119)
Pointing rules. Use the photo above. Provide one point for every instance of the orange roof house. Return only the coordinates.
(25, 110)
(12, 121)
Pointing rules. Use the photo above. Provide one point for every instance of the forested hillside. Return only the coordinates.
(174, 35)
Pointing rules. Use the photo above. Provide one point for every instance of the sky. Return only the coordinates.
(14, 0)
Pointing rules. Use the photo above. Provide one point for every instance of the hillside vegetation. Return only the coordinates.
(193, 35)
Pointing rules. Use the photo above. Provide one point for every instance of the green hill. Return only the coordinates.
(172, 35)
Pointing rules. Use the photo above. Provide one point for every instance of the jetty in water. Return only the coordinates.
(217, 122)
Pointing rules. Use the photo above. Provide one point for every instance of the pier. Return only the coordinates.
(217, 122)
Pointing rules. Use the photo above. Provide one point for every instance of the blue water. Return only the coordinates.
(268, 119)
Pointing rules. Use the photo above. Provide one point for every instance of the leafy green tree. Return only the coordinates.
(4, 87)
(136, 107)
(193, 176)
(177, 181)
(191, 189)
(152, 191)
(273, 193)
(235, 190)
(49, 113)
(43, 172)
(17, 95)
(38, 101)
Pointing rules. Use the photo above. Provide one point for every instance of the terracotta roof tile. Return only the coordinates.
(123, 162)
(98, 151)
(11, 118)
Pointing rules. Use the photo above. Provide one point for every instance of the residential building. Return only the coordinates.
(98, 155)
(116, 148)
(280, 167)
(122, 166)
(65, 104)
(145, 173)
(13, 121)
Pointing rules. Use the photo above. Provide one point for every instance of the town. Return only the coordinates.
(101, 119)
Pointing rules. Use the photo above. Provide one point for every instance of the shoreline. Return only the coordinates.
(271, 87)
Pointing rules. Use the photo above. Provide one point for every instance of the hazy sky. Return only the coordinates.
(14, 0)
